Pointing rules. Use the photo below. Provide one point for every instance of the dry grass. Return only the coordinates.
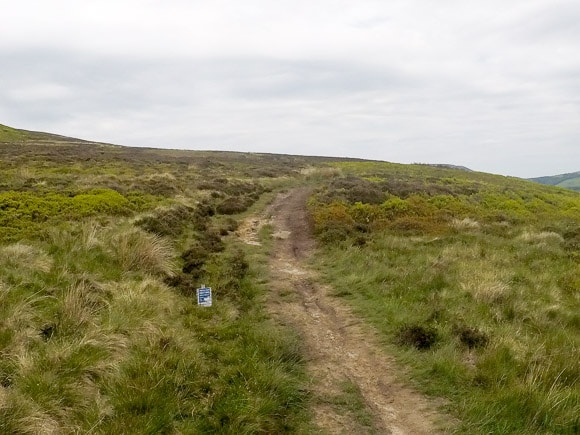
(21, 255)
(541, 238)
(486, 285)
(4, 395)
(462, 254)
(38, 422)
(25, 173)
(90, 231)
(479, 272)
(136, 303)
(312, 172)
(93, 341)
(465, 224)
(137, 250)
(18, 316)
(80, 304)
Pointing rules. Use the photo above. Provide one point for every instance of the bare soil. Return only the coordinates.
(340, 348)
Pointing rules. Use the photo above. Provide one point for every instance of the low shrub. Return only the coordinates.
(185, 283)
(156, 185)
(572, 239)
(231, 187)
(237, 265)
(354, 189)
(334, 233)
(471, 337)
(205, 209)
(333, 217)
(229, 225)
(22, 213)
(210, 242)
(234, 205)
(193, 260)
(410, 225)
(172, 221)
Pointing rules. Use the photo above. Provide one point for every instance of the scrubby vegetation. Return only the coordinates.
(101, 251)
(472, 279)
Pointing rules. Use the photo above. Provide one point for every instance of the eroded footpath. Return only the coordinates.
(341, 351)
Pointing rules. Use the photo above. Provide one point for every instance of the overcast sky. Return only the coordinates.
(493, 85)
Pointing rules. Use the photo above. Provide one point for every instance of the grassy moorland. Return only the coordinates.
(473, 281)
(101, 250)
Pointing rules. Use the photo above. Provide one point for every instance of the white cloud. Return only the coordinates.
(38, 92)
(492, 85)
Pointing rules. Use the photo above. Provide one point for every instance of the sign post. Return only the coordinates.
(204, 296)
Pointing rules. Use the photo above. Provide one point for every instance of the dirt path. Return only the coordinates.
(342, 352)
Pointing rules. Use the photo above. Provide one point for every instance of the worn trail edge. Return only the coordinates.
(339, 347)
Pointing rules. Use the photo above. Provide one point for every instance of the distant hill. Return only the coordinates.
(568, 181)
(447, 166)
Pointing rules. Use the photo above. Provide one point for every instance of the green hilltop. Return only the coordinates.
(11, 135)
(8, 134)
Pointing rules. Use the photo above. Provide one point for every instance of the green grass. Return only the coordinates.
(99, 330)
(112, 348)
(476, 292)
(8, 134)
(472, 280)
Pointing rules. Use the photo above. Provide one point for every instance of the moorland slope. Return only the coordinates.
(469, 281)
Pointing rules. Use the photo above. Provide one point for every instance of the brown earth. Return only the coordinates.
(340, 349)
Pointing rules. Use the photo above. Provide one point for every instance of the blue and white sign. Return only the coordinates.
(204, 296)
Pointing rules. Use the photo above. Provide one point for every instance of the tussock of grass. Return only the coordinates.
(544, 239)
(137, 250)
(21, 255)
(133, 355)
(486, 285)
(78, 306)
(90, 235)
(465, 224)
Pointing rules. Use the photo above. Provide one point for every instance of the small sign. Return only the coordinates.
(204, 296)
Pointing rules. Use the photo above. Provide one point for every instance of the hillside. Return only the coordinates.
(568, 181)
(9, 135)
(472, 280)
(466, 283)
